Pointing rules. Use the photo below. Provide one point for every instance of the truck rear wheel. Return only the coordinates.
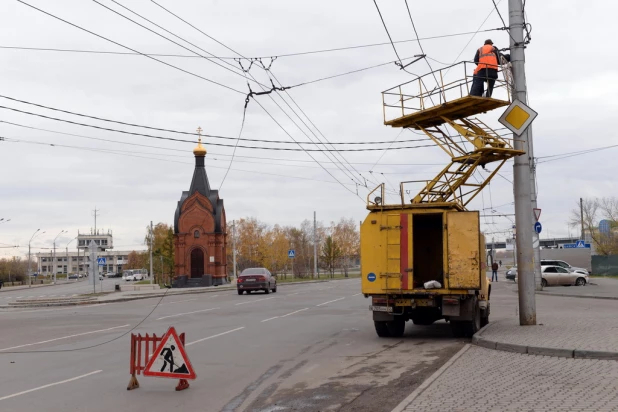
(467, 328)
(381, 328)
(396, 327)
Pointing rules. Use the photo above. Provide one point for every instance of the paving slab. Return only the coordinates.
(490, 380)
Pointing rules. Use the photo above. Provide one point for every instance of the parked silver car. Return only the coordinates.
(557, 275)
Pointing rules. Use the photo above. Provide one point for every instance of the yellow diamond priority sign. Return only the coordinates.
(517, 117)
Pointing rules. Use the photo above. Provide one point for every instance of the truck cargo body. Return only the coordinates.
(406, 250)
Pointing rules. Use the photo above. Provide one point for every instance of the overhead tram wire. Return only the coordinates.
(212, 156)
(474, 34)
(261, 85)
(232, 58)
(420, 45)
(164, 37)
(239, 54)
(212, 143)
(507, 28)
(179, 132)
(269, 95)
(129, 48)
(11, 140)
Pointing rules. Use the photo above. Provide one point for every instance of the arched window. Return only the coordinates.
(196, 234)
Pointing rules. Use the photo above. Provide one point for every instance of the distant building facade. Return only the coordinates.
(79, 262)
(200, 231)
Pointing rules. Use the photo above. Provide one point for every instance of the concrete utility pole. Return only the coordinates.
(315, 247)
(581, 217)
(522, 171)
(151, 236)
(234, 246)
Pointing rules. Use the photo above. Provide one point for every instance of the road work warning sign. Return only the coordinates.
(169, 359)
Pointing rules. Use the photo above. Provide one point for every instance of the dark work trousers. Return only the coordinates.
(494, 273)
(484, 75)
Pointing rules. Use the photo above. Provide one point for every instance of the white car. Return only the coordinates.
(128, 278)
(138, 276)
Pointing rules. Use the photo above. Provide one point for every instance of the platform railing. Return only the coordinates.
(437, 88)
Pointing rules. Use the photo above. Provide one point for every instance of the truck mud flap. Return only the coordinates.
(451, 306)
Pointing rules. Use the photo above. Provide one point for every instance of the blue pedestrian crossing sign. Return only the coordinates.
(580, 244)
(101, 261)
(291, 253)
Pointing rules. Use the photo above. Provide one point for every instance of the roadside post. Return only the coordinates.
(168, 359)
(101, 262)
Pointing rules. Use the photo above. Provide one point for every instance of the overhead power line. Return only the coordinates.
(345, 48)
(211, 143)
(119, 153)
(129, 48)
(181, 132)
(267, 69)
(211, 154)
(164, 37)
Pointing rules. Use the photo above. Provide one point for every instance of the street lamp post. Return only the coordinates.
(67, 257)
(54, 258)
(29, 261)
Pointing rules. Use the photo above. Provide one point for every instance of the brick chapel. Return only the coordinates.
(200, 227)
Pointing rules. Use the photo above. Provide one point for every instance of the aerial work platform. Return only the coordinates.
(445, 113)
(427, 100)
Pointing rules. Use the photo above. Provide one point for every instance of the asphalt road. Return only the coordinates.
(307, 347)
(61, 289)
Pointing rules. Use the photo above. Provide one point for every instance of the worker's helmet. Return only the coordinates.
(488, 41)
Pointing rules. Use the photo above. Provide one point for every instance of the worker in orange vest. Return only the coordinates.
(486, 59)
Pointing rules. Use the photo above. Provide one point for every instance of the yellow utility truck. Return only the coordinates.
(423, 258)
(424, 263)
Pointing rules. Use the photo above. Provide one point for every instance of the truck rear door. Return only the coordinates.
(463, 248)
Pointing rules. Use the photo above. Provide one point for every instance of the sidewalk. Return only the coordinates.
(567, 362)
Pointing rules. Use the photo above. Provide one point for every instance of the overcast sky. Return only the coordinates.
(571, 74)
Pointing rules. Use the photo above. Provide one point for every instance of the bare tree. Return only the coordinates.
(607, 208)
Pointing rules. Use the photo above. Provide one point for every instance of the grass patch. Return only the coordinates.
(143, 282)
(604, 276)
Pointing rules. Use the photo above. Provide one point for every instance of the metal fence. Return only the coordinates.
(605, 265)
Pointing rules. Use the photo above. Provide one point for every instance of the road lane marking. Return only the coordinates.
(179, 301)
(252, 301)
(283, 316)
(65, 337)
(357, 294)
(187, 313)
(49, 385)
(330, 301)
(300, 310)
(292, 294)
(214, 336)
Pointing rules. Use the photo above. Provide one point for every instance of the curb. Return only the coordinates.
(140, 297)
(421, 388)
(565, 295)
(542, 351)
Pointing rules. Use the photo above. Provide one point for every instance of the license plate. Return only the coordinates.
(381, 308)
(250, 280)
